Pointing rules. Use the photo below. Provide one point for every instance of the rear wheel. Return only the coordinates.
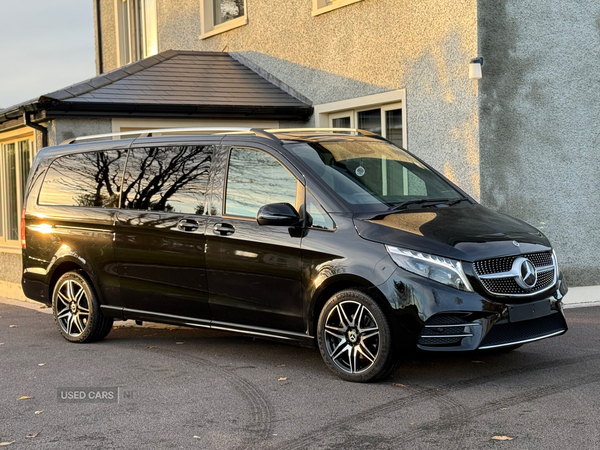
(355, 337)
(77, 311)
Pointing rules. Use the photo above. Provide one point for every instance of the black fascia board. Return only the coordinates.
(141, 110)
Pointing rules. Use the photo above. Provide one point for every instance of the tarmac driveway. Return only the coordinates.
(181, 388)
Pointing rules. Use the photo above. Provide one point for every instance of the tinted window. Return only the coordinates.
(370, 174)
(85, 179)
(256, 179)
(320, 218)
(171, 179)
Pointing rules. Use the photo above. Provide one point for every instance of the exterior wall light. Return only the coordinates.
(475, 68)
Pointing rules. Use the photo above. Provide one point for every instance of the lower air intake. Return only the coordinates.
(513, 333)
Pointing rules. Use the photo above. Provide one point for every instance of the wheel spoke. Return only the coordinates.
(70, 293)
(352, 358)
(78, 323)
(370, 335)
(69, 324)
(63, 298)
(79, 295)
(336, 332)
(339, 350)
(64, 313)
(362, 348)
(367, 330)
(83, 309)
(343, 317)
(358, 316)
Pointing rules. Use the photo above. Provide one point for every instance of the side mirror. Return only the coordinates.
(278, 214)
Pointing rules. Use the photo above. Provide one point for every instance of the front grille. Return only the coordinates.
(508, 333)
(509, 285)
(499, 265)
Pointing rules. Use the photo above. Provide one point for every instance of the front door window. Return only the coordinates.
(256, 179)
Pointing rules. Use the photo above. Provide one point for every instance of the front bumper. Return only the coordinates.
(436, 317)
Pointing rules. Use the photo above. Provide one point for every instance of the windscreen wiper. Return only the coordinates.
(426, 202)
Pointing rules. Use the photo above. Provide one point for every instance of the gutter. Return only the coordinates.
(99, 37)
(37, 127)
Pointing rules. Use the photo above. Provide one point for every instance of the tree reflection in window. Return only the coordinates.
(171, 179)
(256, 179)
(91, 179)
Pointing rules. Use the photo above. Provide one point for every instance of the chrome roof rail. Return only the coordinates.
(148, 133)
(219, 130)
(329, 130)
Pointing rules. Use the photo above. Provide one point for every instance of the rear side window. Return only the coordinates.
(169, 179)
(90, 179)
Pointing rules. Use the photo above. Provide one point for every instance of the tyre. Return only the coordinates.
(355, 337)
(77, 311)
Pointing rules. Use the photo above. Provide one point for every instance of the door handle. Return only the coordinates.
(188, 225)
(223, 229)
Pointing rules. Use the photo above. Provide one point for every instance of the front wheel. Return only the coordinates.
(77, 311)
(355, 337)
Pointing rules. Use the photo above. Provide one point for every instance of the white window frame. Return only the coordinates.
(207, 22)
(386, 101)
(323, 6)
(13, 137)
(136, 39)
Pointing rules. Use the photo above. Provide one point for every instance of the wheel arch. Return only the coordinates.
(333, 285)
(65, 265)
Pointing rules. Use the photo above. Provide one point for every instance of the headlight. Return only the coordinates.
(436, 268)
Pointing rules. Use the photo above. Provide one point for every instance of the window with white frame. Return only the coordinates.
(323, 6)
(384, 120)
(218, 16)
(16, 156)
(136, 30)
(381, 114)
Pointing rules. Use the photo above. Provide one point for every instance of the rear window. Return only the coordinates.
(90, 179)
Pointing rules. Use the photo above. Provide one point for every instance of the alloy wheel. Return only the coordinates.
(73, 308)
(352, 337)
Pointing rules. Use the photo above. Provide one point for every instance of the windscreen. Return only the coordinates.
(371, 175)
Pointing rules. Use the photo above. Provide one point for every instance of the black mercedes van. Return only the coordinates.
(328, 237)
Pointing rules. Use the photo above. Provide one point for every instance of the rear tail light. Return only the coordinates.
(23, 244)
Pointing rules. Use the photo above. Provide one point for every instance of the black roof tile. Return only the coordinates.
(201, 80)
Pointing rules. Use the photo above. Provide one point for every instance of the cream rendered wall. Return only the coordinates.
(109, 34)
(369, 47)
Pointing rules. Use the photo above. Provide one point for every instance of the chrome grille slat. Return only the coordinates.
(494, 277)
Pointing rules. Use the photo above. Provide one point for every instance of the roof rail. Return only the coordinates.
(330, 130)
(148, 133)
(220, 130)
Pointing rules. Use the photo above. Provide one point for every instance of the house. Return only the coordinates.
(522, 139)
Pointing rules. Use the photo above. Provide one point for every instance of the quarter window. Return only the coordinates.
(218, 16)
(171, 179)
(84, 179)
(256, 179)
(320, 218)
